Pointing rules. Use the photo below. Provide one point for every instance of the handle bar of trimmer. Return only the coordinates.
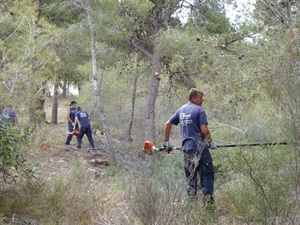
(252, 144)
(160, 149)
(150, 148)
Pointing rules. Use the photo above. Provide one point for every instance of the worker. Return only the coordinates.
(196, 141)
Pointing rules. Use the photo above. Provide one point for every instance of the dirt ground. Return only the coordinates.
(49, 152)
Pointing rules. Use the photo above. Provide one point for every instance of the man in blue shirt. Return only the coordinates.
(9, 116)
(195, 135)
(85, 127)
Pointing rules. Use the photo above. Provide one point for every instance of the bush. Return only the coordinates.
(259, 185)
(12, 144)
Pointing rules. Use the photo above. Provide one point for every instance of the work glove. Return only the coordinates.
(168, 146)
(212, 145)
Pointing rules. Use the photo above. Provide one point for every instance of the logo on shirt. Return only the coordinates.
(185, 119)
(83, 114)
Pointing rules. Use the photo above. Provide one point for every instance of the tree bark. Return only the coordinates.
(54, 117)
(134, 88)
(151, 98)
(64, 89)
(56, 86)
(159, 18)
(96, 86)
(37, 113)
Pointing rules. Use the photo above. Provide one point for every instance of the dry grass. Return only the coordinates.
(72, 187)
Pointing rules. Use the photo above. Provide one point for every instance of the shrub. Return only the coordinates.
(13, 141)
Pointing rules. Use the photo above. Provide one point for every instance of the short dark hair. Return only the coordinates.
(72, 102)
(194, 93)
(78, 108)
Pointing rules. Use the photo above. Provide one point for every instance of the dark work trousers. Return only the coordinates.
(199, 162)
(70, 130)
(88, 131)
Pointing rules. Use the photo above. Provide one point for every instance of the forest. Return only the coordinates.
(130, 64)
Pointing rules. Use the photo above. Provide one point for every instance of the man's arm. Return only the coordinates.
(76, 120)
(69, 118)
(167, 144)
(168, 127)
(206, 133)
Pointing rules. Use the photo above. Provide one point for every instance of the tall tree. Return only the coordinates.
(153, 28)
(60, 16)
(138, 28)
(54, 116)
(88, 7)
(28, 58)
(96, 85)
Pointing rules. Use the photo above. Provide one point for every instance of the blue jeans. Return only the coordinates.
(88, 131)
(199, 161)
(70, 136)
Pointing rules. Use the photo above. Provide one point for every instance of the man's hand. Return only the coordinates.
(168, 146)
(212, 145)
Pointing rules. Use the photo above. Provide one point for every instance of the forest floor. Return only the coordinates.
(51, 158)
(54, 157)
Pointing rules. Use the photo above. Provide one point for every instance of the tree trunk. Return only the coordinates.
(137, 75)
(37, 113)
(158, 19)
(96, 86)
(54, 113)
(64, 89)
(56, 86)
(152, 94)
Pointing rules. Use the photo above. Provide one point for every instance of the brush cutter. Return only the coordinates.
(74, 132)
(150, 148)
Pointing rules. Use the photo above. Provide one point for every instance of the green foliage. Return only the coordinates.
(251, 90)
(13, 142)
(257, 184)
(26, 47)
(210, 17)
(277, 14)
(57, 13)
(139, 10)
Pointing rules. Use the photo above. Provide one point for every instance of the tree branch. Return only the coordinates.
(140, 48)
